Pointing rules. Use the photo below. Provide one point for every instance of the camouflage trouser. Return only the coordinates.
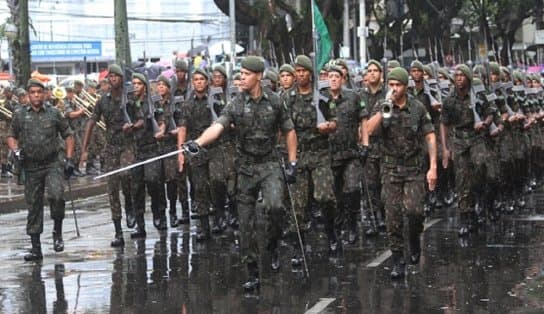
(372, 175)
(259, 225)
(150, 177)
(3, 145)
(38, 178)
(402, 194)
(200, 188)
(222, 176)
(117, 156)
(98, 141)
(347, 190)
(470, 175)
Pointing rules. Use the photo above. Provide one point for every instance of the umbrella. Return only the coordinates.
(197, 50)
(223, 47)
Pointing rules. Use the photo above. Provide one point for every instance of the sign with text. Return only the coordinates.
(65, 49)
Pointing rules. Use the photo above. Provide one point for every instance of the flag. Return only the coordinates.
(324, 44)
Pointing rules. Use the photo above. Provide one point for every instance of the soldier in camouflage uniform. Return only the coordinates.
(372, 94)
(468, 149)
(76, 118)
(403, 134)
(314, 176)
(257, 116)
(346, 148)
(30, 137)
(287, 78)
(195, 117)
(119, 149)
(4, 126)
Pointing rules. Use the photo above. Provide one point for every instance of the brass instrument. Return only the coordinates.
(90, 98)
(87, 110)
(59, 92)
(4, 110)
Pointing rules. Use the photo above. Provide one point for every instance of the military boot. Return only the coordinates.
(415, 248)
(253, 282)
(463, 224)
(380, 217)
(58, 243)
(233, 220)
(397, 271)
(139, 232)
(217, 222)
(275, 255)
(35, 253)
(118, 240)
(173, 217)
(333, 240)
(203, 230)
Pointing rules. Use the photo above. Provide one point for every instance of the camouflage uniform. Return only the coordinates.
(256, 125)
(182, 177)
(346, 166)
(314, 174)
(118, 152)
(37, 135)
(403, 173)
(4, 127)
(77, 124)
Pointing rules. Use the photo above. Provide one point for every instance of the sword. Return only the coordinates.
(73, 208)
(172, 153)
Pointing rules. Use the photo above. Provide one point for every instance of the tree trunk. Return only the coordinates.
(122, 44)
(20, 46)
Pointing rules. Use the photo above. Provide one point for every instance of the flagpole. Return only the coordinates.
(314, 45)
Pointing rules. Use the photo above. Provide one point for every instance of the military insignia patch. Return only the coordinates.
(362, 104)
(332, 105)
(428, 116)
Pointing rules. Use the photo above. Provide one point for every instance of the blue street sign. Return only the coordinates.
(65, 49)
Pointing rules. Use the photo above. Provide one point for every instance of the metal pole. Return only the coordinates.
(251, 46)
(232, 15)
(72, 204)
(362, 35)
(346, 29)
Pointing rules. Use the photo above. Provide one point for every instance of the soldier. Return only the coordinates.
(271, 78)
(30, 138)
(467, 149)
(119, 150)
(347, 153)
(314, 174)
(372, 95)
(149, 176)
(287, 78)
(257, 116)
(5, 120)
(76, 118)
(405, 125)
(104, 87)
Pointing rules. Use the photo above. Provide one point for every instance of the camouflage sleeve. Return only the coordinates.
(447, 114)
(377, 108)
(286, 124)
(363, 109)
(425, 121)
(69, 107)
(227, 116)
(97, 111)
(490, 108)
(159, 113)
(185, 115)
(63, 127)
(15, 126)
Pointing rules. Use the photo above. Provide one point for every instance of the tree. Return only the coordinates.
(20, 46)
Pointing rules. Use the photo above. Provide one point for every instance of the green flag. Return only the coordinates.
(324, 44)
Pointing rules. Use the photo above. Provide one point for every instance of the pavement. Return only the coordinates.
(499, 269)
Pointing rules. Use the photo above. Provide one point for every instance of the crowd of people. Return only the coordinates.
(270, 152)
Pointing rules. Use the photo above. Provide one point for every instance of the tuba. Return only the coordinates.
(59, 93)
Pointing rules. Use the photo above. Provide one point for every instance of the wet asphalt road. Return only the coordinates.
(498, 270)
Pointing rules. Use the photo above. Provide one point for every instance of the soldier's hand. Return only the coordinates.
(68, 168)
(83, 158)
(127, 127)
(159, 135)
(18, 155)
(192, 147)
(432, 178)
(480, 126)
(363, 154)
(181, 161)
(291, 172)
(446, 156)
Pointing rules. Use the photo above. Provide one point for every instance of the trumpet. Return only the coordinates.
(4, 110)
(87, 109)
(90, 98)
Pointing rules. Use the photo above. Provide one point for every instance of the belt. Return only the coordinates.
(464, 134)
(32, 163)
(412, 161)
(336, 147)
(257, 159)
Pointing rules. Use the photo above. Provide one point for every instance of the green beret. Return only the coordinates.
(506, 70)
(445, 72)
(115, 69)
(202, 72)
(253, 63)
(336, 68)
(92, 84)
(398, 74)
(393, 64)
(182, 65)
(272, 76)
(427, 69)
(342, 63)
(518, 75)
(304, 61)
(376, 63)
(20, 91)
(494, 68)
(237, 76)
(104, 80)
(417, 65)
(164, 79)
(221, 69)
(34, 82)
(287, 68)
(479, 70)
(69, 89)
(78, 82)
(139, 76)
(465, 70)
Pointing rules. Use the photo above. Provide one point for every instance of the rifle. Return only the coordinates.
(318, 97)
(124, 99)
(474, 102)
(212, 91)
(171, 124)
(151, 99)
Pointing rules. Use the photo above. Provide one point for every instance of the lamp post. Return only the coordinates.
(10, 31)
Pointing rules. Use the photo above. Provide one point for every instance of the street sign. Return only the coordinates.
(65, 49)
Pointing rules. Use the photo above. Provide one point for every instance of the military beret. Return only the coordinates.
(506, 70)
(287, 68)
(465, 70)
(336, 68)
(34, 82)
(164, 79)
(272, 76)
(69, 89)
(304, 61)
(202, 72)
(427, 69)
(182, 65)
(376, 63)
(445, 73)
(221, 69)
(104, 80)
(115, 69)
(92, 84)
(494, 68)
(518, 76)
(342, 63)
(237, 76)
(393, 64)
(140, 77)
(20, 92)
(417, 65)
(253, 63)
(479, 70)
(78, 82)
(398, 74)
